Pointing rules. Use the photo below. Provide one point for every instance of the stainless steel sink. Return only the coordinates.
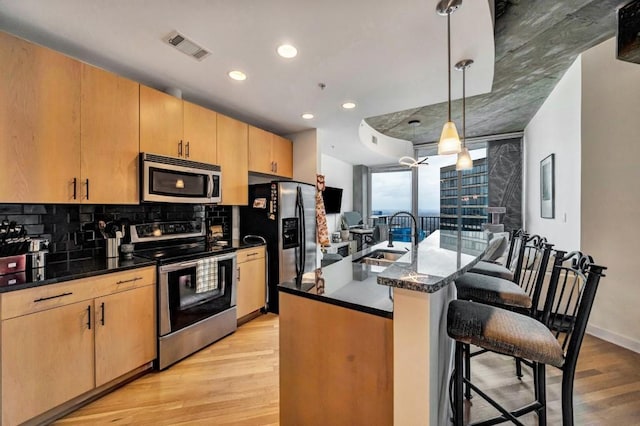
(381, 257)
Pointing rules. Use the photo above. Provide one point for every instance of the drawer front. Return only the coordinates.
(28, 301)
(13, 264)
(120, 281)
(245, 255)
(23, 302)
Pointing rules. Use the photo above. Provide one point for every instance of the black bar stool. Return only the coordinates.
(554, 340)
(521, 296)
(494, 269)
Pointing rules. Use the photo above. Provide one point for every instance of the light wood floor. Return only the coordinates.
(235, 382)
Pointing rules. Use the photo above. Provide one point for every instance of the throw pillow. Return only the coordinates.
(496, 248)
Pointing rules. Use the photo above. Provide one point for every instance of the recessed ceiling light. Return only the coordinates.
(237, 75)
(348, 105)
(307, 116)
(287, 51)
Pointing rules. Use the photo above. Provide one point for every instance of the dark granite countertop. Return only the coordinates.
(58, 272)
(435, 263)
(347, 284)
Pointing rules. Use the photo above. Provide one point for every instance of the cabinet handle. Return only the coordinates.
(134, 279)
(87, 183)
(89, 319)
(187, 150)
(276, 163)
(42, 299)
(273, 166)
(102, 311)
(75, 188)
(252, 254)
(180, 148)
(238, 274)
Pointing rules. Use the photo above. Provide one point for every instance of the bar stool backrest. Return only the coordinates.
(514, 248)
(572, 289)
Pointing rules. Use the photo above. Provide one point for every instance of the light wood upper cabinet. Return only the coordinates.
(251, 281)
(233, 156)
(39, 123)
(282, 154)
(200, 133)
(176, 128)
(269, 153)
(47, 359)
(161, 119)
(260, 160)
(124, 339)
(109, 138)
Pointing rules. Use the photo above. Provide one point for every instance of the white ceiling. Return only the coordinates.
(385, 56)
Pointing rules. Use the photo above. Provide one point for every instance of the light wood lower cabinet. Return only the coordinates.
(61, 341)
(47, 359)
(251, 281)
(123, 341)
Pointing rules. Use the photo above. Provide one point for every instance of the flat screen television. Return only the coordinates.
(332, 199)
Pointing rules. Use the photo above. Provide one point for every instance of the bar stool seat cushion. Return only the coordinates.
(503, 331)
(493, 270)
(492, 290)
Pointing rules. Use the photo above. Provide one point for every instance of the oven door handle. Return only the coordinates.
(177, 266)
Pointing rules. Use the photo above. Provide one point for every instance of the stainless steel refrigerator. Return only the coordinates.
(284, 214)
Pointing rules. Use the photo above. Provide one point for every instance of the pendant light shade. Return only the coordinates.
(464, 161)
(449, 139)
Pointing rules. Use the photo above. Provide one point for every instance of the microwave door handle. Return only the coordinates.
(209, 186)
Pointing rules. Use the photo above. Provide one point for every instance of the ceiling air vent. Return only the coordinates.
(186, 46)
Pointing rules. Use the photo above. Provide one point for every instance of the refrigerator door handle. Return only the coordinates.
(303, 227)
(298, 248)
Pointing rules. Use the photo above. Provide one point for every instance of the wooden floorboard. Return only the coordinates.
(235, 382)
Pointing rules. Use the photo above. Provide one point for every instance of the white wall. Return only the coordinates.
(338, 174)
(611, 189)
(555, 129)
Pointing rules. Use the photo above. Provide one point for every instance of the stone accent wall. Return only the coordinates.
(505, 180)
(72, 229)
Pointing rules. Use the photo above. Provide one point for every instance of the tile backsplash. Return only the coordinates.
(71, 229)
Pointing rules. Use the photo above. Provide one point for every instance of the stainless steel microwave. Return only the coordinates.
(174, 180)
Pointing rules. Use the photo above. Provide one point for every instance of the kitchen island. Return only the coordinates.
(363, 341)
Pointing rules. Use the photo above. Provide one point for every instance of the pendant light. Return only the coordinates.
(449, 139)
(464, 159)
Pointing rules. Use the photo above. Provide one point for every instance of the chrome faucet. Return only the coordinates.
(414, 235)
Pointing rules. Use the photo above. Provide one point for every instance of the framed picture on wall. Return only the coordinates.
(547, 187)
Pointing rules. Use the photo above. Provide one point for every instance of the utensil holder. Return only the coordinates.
(113, 244)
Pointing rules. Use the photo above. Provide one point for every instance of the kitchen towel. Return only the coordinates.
(207, 275)
(321, 216)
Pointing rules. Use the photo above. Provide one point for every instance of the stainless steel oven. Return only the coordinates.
(197, 287)
(174, 180)
(196, 305)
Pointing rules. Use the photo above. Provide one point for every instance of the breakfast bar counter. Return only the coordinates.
(363, 340)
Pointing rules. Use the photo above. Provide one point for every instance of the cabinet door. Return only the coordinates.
(233, 159)
(282, 154)
(47, 359)
(251, 287)
(260, 160)
(39, 123)
(199, 133)
(109, 138)
(125, 332)
(160, 123)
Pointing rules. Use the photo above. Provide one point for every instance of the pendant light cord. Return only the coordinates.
(449, 58)
(464, 107)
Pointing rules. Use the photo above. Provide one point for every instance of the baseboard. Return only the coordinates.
(616, 339)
